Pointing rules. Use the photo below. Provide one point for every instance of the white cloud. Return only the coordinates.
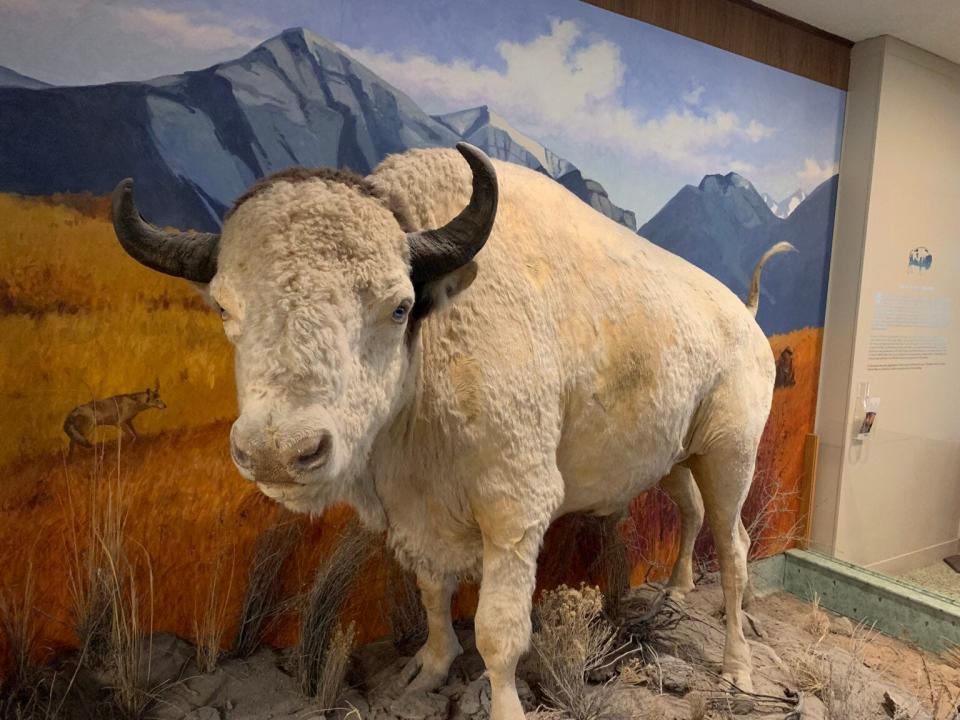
(562, 84)
(813, 173)
(182, 30)
(693, 97)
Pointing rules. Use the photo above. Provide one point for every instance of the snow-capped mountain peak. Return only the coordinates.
(783, 208)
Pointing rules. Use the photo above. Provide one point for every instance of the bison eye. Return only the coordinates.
(400, 312)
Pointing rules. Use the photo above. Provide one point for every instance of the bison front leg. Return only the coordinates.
(503, 616)
(428, 669)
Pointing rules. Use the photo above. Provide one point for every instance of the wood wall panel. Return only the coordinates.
(748, 29)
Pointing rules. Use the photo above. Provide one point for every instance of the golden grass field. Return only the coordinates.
(79, 320)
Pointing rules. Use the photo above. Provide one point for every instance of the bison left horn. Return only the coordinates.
(189, 255)
(434, 253)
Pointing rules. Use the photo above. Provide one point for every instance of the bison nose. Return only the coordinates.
(310, 453)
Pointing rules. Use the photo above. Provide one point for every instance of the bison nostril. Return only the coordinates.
(315, 454)
(241, 458)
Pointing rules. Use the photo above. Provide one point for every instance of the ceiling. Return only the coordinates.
(933, 25)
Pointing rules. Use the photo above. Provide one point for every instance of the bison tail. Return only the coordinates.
(74, 433)
(753, 301)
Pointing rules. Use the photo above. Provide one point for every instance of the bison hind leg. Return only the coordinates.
(724, 478)
(682, 489)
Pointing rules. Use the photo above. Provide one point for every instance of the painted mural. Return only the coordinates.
(117, 383)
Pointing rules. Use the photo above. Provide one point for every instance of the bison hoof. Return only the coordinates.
(424, 673)
(678, 593)
(740, 679)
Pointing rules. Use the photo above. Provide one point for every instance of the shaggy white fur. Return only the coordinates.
(581, 366)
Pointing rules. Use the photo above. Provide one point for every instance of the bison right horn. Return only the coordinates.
(434, 253)
(190, 255)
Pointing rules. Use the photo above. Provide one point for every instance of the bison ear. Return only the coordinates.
(437, 294)
(454, 283)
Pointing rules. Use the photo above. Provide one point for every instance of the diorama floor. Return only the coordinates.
(938, 578)
(807, 664)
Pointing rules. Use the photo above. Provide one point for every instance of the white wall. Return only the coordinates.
(893, 501)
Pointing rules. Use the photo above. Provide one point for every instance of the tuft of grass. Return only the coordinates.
(336, 663)
(18, 624)
(818, 622)
(262, 604)
(697, 706)
(573, 640)
(108, 608)
(318, 656)
(613, 562)
(405, 613)
(210, 622)
(130, 646)
(98, 571)
(838, 681)
(942, 702)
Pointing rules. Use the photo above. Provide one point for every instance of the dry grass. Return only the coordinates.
(336, 663)
(697, 706)
(130, 646)
(94, 540)
(837, 679)
(405, 614)
(112, 596)
(573, 640)
(19, 626)
(210, 620)
(612, 563)
(262, 602)
(951, 656)
(942, 702)
(318, 655)
(817, 622)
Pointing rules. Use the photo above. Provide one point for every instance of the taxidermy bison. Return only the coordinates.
(465, 352)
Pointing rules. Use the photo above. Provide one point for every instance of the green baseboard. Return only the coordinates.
(889, 605)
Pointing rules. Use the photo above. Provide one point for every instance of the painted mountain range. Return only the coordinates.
(723, 226)
(490, 132)
(197, 140)
(11, 78)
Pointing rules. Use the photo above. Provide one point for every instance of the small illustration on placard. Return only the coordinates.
(920, 259)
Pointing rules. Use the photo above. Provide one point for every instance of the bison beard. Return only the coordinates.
(584, 366)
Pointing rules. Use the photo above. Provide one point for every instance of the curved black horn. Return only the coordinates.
(434, 253)
(189, 255)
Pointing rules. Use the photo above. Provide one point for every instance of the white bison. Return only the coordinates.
(463, 404)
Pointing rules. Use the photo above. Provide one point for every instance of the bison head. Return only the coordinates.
(321, 290)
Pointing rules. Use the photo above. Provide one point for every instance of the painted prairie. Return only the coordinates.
(79, 320)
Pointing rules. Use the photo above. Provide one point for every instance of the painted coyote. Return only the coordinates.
(118, 410)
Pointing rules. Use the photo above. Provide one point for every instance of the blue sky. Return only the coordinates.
(640, 109)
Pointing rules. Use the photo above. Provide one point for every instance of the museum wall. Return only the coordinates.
(892, 501)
